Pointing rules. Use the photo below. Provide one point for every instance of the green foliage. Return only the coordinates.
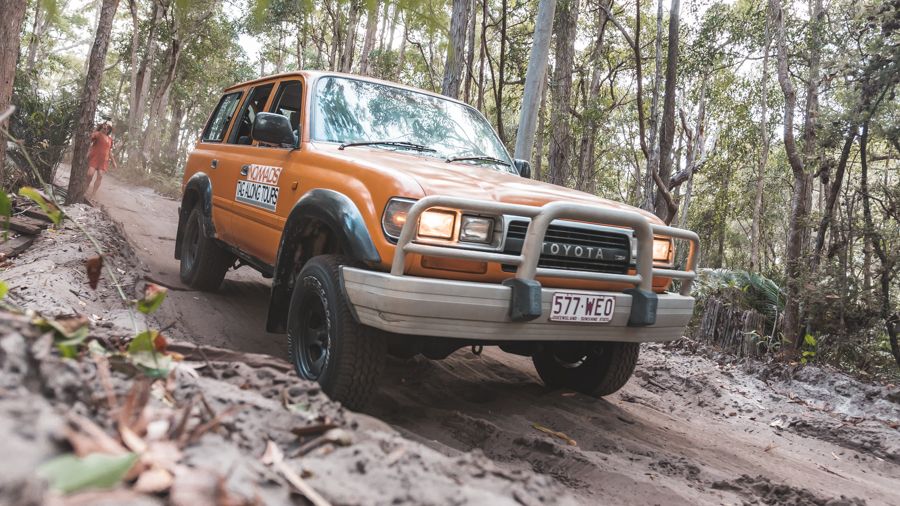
(757, 291)
(154, 295)
(44, 123)
(67, 337)
(808, 351)
(69, 473)
(50, 209)
(144, 352)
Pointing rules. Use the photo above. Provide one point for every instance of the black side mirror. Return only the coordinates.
(274, 129)
(524, 168)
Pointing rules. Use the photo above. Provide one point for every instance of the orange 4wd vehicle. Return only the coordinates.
(393, 220)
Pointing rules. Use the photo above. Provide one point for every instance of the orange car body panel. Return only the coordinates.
(370, 177)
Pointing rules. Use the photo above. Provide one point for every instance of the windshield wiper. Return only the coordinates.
(399, 144)
(489, 159)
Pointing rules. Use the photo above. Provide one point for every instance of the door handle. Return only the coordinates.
(245, 169)
(213, 164)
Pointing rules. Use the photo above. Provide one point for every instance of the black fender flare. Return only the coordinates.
(198, 189)
(344, 220)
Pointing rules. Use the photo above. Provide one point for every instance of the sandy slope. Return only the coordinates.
(685, 430)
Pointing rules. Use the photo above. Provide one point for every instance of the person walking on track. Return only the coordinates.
(100, 155)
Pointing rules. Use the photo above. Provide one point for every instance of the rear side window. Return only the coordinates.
(255, 102)
(221, 118)
(287, 104)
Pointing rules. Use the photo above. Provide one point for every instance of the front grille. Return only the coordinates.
(614, 245)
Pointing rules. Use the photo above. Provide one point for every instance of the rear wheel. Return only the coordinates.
(203, 262)
(596, 369)
(326, 344)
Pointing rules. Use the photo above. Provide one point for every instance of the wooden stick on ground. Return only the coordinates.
(275, 458)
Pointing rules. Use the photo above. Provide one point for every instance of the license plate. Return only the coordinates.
(580, 307)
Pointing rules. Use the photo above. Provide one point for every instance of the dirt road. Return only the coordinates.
(685, 430)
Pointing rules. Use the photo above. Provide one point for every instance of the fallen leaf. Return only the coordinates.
(94, 265)
(70, 473)
(154, 481)
(557, 434)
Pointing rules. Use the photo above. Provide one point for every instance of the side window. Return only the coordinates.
(287, 104)
(255, 102)
(221, 118)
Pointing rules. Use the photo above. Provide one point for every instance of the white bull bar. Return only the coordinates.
(519, 309)
(541, 218)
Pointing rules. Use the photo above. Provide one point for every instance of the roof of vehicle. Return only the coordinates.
(314, 74)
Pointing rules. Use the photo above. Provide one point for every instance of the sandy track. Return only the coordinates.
(685, 430)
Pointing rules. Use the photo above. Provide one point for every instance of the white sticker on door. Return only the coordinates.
(263, 174)
(257, 194)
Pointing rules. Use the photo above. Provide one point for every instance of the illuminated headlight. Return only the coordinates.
(437, 224)
(662, 249)
(476, 229)
(395, 216)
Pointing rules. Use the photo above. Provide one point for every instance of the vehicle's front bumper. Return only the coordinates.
(460, 309)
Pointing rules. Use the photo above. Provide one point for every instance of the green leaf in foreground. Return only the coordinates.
(143, 352)
(4, 289)
(143, 342)
(53, 212)
(154, 295)
(69, 473)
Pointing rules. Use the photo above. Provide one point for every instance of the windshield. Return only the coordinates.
(351, 110)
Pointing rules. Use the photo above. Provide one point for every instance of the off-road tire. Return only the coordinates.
(356, 354)
(203, 261)
(604, 369)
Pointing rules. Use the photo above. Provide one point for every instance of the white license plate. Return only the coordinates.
(580, 307)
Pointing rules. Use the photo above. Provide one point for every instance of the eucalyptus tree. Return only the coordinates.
(10, 24)
(89, 95)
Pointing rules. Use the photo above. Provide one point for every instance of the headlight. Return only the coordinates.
(662, 249)
(395, 216)
(437, 224)
(476, 229)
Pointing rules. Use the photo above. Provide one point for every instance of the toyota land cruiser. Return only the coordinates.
(393, 220)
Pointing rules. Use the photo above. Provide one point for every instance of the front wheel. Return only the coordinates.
(326, 344)
(203, 262)
(596, 369)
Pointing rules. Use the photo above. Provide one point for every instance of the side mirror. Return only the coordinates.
(274, 129)
(524, 168)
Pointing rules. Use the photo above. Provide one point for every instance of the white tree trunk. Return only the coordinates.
(535, 77)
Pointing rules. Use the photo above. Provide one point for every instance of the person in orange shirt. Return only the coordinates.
(100, 155)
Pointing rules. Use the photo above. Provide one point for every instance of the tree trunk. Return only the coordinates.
(482, 53)
(542, 114)
(89, 96)
(565, 27)
(653, 145)
(874, 238)
(10, 24)
(369, 41)
(141, 75)
(665, 206)
(797, 228)
(763, 157)
(151, 137)
(534, 79)
(350, 39)
(453, 65)
(585, 180)
(39, 28)
(470, 52)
